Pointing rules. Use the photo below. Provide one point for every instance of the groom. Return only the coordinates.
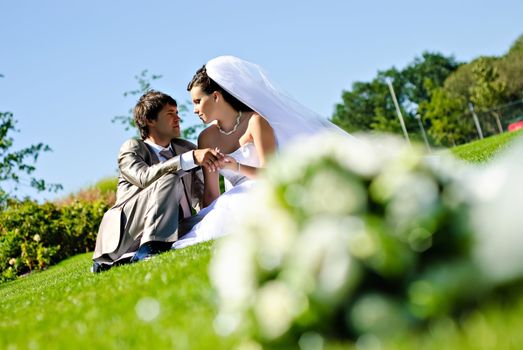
(160, 181)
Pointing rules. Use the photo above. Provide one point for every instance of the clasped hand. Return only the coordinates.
(213, 160)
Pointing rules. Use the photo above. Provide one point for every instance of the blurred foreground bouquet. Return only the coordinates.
(347, 239)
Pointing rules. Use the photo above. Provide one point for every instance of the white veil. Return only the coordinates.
(249, 83)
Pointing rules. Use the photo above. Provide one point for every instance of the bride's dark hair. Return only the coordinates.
(208, 86)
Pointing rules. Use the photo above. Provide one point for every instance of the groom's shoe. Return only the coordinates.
(99, 267)
(150, 249)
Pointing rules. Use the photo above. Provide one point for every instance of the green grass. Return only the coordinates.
(482, 151)
(67, 307)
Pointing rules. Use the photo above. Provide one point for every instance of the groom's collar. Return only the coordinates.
(158, 148)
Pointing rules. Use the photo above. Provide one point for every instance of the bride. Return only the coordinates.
(249, 119)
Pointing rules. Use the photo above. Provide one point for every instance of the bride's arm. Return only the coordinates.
(262, 135)
(211, 181)
(211, 186)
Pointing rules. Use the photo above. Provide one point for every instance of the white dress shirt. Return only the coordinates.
(186, 159)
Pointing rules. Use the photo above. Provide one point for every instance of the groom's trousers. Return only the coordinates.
(153, 214)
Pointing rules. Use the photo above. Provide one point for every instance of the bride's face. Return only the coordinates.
(204, 105)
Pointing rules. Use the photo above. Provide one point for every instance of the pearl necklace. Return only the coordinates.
(235, 126)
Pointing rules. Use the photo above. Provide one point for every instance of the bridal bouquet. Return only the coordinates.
(346, 239)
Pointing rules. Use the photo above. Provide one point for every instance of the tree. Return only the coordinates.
(494, 85)
(14, 164)
(517, 46)
(425, 73)
(510, 69)
(144, 85)
(444, 113)
(439, 89)
(369, 106)
(488, 90)
(354, 112)
(459, 82)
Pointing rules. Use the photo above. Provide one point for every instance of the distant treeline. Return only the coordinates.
(443, 92)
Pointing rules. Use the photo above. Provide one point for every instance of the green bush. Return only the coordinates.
(107, 185)
(34, 236)
(104, 190)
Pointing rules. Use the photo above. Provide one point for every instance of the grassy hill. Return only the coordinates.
(481, 151)
(168, 302)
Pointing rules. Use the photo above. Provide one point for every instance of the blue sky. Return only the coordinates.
(66, 64)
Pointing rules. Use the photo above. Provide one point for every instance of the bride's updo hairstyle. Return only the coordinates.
(208, 86)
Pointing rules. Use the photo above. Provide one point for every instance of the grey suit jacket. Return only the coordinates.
(140, 167)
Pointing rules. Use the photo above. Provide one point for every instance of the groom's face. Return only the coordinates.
(167, 125)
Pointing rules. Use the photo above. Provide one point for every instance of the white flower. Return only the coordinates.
(497, 216)
(332, 192)
(415, 197)
(392, 177)
(275, 308)
(371, 154)
(276, 240)
(233, 272)
(311, 341)
(375, 313)
(320, 263)
(328, 210)
(227, 322)
(271, 227)
(361, 244)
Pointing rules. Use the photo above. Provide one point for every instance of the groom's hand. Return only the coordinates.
(210, 159)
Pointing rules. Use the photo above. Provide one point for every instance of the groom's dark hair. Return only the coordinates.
(148, 107)
(208, 86)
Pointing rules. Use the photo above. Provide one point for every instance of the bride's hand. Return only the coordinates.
(230, 163)
(211, 159)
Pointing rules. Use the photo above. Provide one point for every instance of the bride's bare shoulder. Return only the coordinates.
(258, 122)
(208, 136)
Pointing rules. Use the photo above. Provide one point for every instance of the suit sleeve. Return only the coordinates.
(134, 168)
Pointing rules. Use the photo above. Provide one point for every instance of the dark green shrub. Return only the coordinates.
(34, 236)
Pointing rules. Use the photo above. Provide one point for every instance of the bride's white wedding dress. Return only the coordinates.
(218, 216)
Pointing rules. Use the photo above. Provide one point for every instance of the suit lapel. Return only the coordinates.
(178, 150)
(152, 154)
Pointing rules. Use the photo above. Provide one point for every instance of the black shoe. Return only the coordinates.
(150, 249)
(99, 267)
